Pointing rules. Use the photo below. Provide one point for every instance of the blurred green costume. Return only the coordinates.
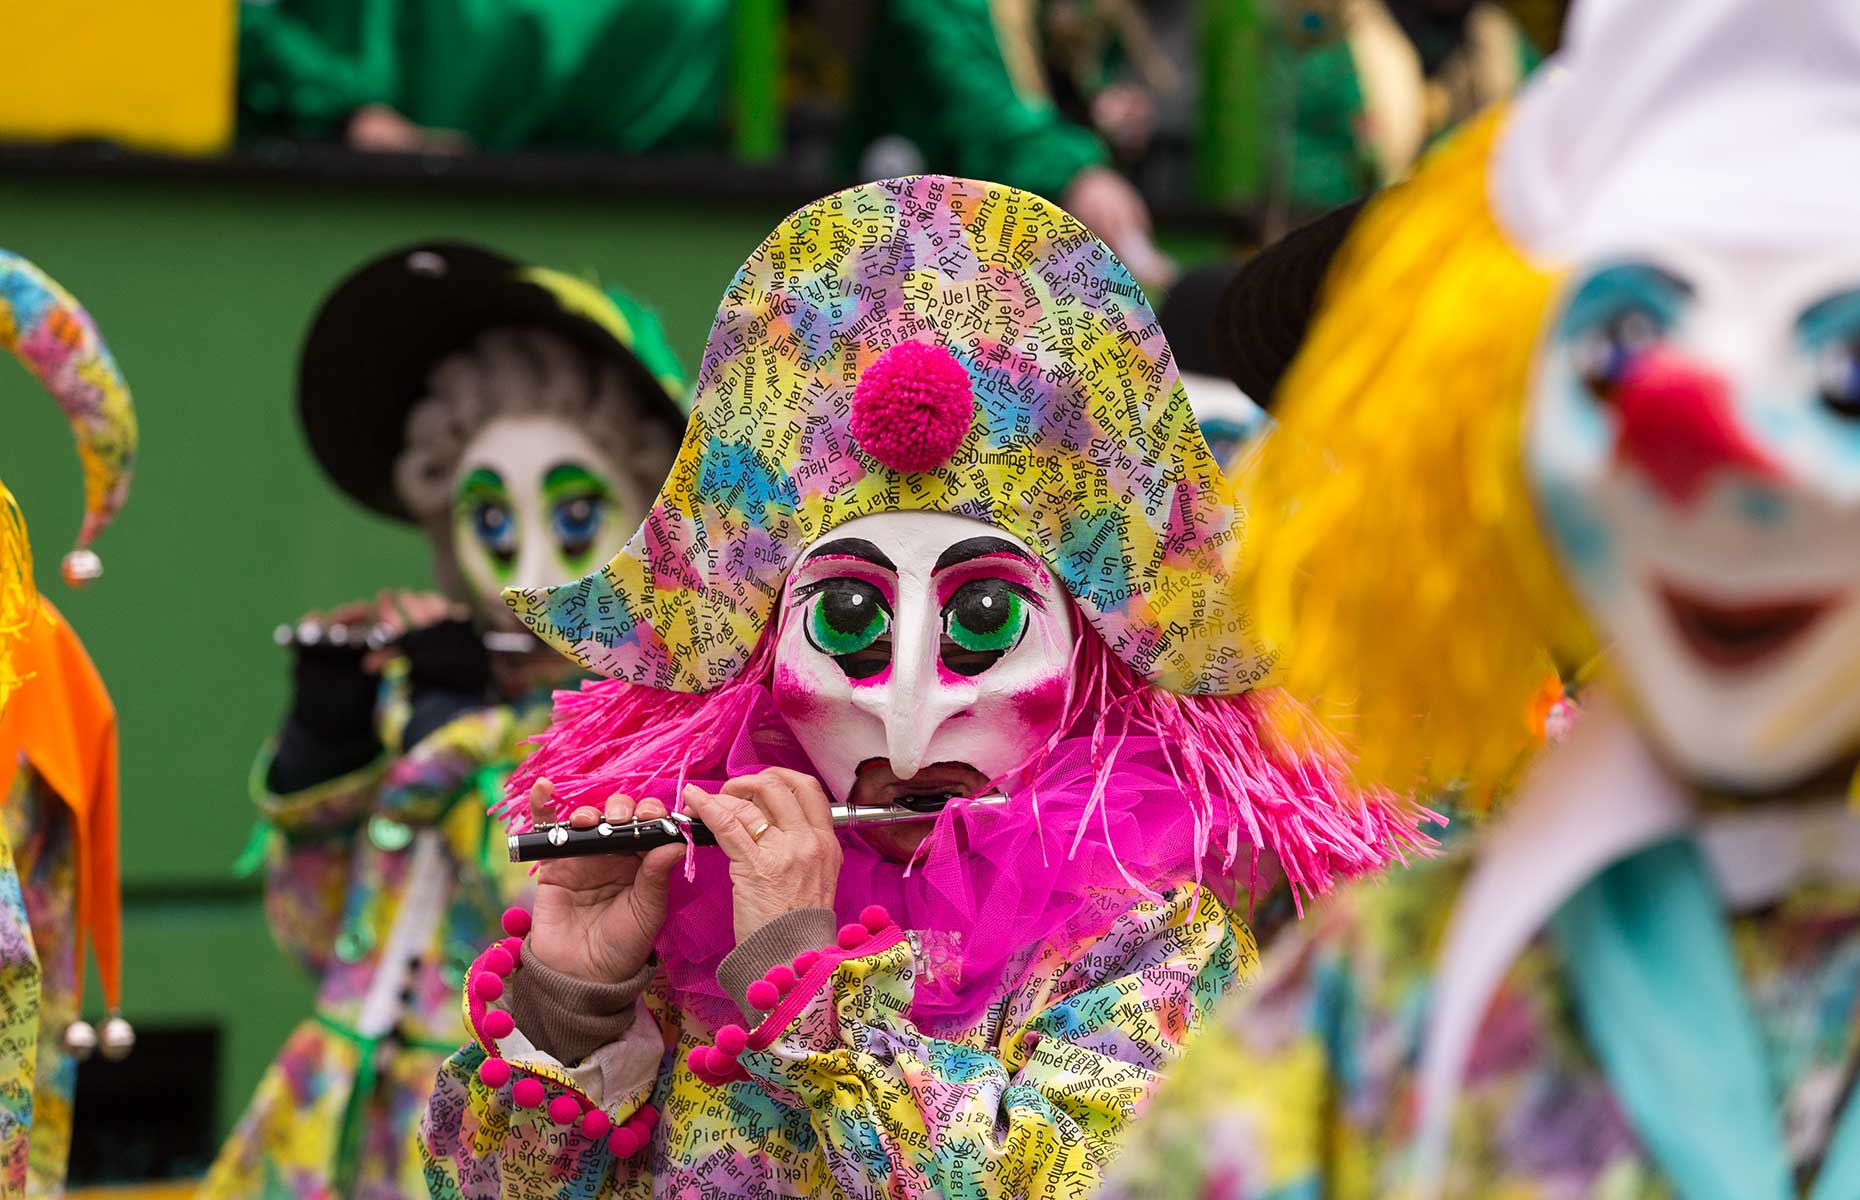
(624, 75)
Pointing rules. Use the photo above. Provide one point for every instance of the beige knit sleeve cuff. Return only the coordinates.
(569, 1018)
(777, 942)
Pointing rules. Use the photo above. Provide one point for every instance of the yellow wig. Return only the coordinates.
(19, 602)
(1393, 549)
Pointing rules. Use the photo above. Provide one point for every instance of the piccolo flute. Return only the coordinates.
(379, 637)
(636, 837)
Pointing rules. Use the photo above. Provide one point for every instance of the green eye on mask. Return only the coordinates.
(986, 616)
(845, 616)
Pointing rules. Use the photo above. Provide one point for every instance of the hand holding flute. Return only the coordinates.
(376, 628)
(545, 842)
(595, 917)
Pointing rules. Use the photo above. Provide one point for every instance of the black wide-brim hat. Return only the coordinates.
(1266, 310)
(374, 342)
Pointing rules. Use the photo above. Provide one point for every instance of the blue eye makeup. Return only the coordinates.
(576, 522)
(1225, 435)
(1830, 331)
(483, 500)
(1615, 316)
(577, 501)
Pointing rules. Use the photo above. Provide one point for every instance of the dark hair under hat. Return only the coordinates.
(1189, 312)
(1266, 309)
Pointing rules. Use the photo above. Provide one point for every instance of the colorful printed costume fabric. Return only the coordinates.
(19, 1026)
(383, 883)
(844, 1096)
(54, 338)
(58, 742)
(42, 859)
(1306, 1086)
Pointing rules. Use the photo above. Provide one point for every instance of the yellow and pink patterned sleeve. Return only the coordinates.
(836, 1091)
(899, 1112)
(310, 857)
(1300, 1085)
(1035, 1113)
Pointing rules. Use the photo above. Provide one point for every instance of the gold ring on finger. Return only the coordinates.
(755, 835)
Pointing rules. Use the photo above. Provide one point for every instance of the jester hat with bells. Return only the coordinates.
(56, 714)
(945, 345)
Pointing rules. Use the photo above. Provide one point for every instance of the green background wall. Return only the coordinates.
(203, 288)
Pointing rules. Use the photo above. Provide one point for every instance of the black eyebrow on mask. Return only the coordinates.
(853, 548)
(978, 547)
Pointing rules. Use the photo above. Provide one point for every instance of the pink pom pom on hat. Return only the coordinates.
(913, 406)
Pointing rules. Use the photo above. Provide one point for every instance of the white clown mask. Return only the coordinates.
(534, 501)
(921, 655)
(1694, 445)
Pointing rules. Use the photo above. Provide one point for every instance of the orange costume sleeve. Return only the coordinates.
(61, 720)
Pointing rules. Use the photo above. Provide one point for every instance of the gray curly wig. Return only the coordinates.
(524, 372)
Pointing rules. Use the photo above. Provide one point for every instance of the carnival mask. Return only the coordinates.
(534, 501)
(921, 655)
(1694, 446)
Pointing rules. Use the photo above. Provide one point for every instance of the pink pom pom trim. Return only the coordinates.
(762, 995)
(624, 1142)
(782, 976)
(913, 406)
(497, 960)
(732, 1040)
(528, 1093)
(497, 1024)
(852, 936)
(595, 1124)
(494, 1072)
(874, 917)
(564, 1110)
(805, 960)
(516, 921)
(712, 1067)
(486, 986)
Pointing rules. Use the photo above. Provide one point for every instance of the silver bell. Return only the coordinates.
(81, 566)
(118, 1038)
(80, 1040)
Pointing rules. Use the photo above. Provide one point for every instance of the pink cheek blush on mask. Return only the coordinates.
(1041, 706)
(796, 697)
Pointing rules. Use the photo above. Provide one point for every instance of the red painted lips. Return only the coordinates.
(1734, 636)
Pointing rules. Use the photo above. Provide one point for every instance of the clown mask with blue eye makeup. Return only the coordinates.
(921, 656)
(534, 501)
(1694, 445)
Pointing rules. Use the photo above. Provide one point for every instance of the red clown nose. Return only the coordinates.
(1677, 425)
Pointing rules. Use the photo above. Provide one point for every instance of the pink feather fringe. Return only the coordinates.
(1140, 790)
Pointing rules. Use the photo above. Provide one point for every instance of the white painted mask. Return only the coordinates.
(1694, 448)
(921, 655)
(534, 502)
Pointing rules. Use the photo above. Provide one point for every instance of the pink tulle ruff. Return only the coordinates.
(1142, 790)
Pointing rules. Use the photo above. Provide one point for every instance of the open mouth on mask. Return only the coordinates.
(1735, 636)
(927, 792)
